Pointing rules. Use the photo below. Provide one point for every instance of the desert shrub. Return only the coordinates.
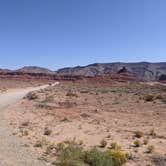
(44, 105)
(71, 94)
(47, 131)
(129, 156)
(94, 157)
(137, 143)
(159, 97)
(60, 147)
(81, 142)
(152, 132)
(115, 146)
(31, 96)
(65, 119)
(118, 157)
(103, 143)
(48, 99)
(67, 104)
(25, 124)
(149, 98)
(25, 133)
(49, 149)
(41, 143)
(150, 148)
(138, 134)
(145, 141)
(85, 115)
(38, 144)
(72, 154)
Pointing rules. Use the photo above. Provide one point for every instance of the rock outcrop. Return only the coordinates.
(142, 70)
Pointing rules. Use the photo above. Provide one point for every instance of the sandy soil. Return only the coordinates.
(10, 84)
(13, 152)
(91, 113)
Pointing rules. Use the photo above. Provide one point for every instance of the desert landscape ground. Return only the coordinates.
(82, 83)
(127, 117)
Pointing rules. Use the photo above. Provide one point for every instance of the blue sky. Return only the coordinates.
(59, 33)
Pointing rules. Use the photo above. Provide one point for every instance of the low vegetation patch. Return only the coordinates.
(118, 157)
(138, 134)
(73, 154)
(47, 131)
(145, 141)
(152, 132)
(137, 143)
(150, 148)
(71, 94)
(103, 143)
(115, 146)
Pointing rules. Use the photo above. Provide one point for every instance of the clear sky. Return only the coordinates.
(59, 33)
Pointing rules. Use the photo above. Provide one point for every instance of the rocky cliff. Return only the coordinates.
(142, 70)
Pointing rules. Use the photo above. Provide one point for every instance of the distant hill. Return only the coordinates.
(35, 69)
(143, 70)
(5, 70)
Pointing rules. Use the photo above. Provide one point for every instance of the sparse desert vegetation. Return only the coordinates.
(116, 123)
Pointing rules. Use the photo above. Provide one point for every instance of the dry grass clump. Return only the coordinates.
(152, 133)
(103, 143)
(47, 131)
(38, 144)
(145, 141)
(24, 132)
(137, 143)
(150, 148)
(71, 94)
(41, 143)
(139, 134)
(118, 157)
(115, 146)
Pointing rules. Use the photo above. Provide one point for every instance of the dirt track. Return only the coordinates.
(12, 151)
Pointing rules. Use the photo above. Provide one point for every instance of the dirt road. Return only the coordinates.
(12, 151)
